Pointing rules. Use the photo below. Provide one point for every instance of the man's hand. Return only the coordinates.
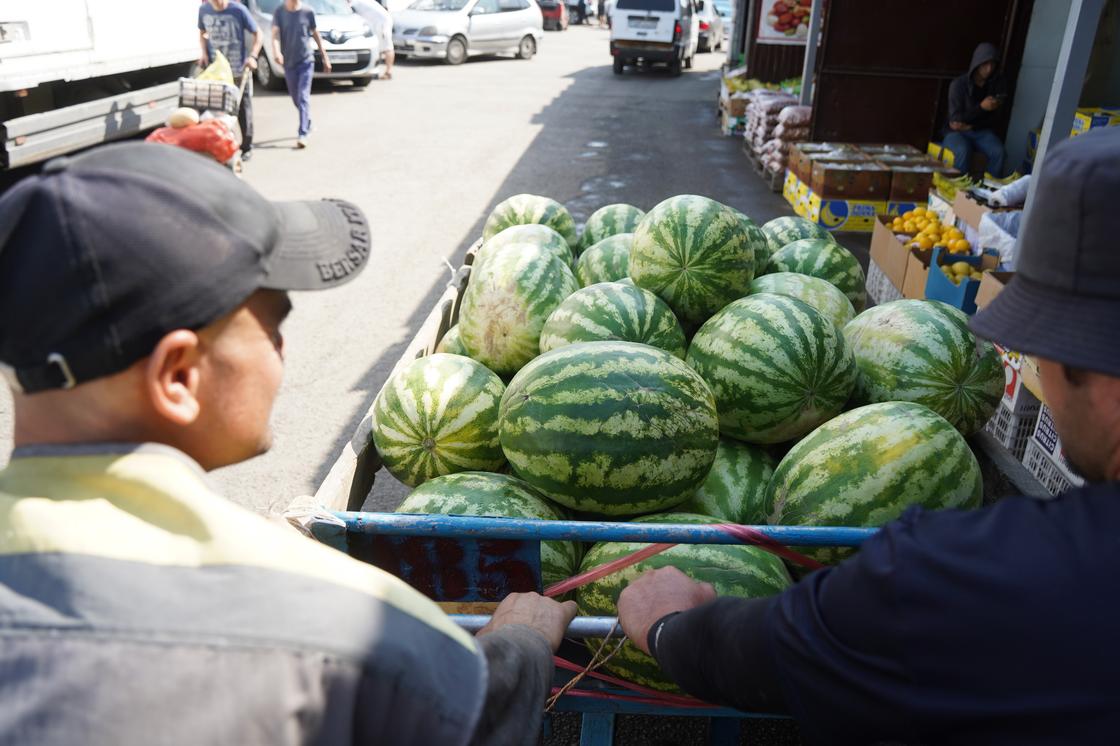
(326, 64)
(545, 616)
(991, 103)
(250, 63)
(278, 57)
(654, 594)
(959, 126)
(203, 61)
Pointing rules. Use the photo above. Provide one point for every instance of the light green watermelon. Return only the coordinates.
(506, 303)
(613, 311)
(826, 259)
(452, 343)
(735, 490)
(614, 428)
(497, 496)
(606, 261)
(733, 569)
(527, 209)
(694, 253)
(757, 240)
(820, 294)
(922, 351)
(865, 467)
(536, 234)
(782, 231)
(438, 415)
(777, 367)
(609, 221)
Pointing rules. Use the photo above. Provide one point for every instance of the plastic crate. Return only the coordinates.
(1013, 429)
(879, 286)
(209, 95)
(1050, 474)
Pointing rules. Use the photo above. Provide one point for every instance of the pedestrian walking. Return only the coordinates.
(292, 25)
(602, 13)
(381, 24)
(223, 27)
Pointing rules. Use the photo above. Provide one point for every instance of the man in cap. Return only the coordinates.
(140, 333)
(993, 626)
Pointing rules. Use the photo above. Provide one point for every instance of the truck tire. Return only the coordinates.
(619, 64)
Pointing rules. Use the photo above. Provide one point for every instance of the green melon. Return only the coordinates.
(452, 343)
(694, 253)
(826, 259)
(609, 221)
(606, 261)
(865, 467)
(506, 303)
(777, 367)
(922, 351)
(438, 415)
(820, 294)
(613, 428)
(735, 490)
(527, 209)
(536, 234)
(782, 231)
(757, 240)
(613, 311)
(499, 496)
(734, 570)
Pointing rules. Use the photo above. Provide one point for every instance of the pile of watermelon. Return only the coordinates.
(684, 365)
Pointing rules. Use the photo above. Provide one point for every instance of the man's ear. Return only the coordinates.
(173, 376)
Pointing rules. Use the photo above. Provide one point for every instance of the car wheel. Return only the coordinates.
(361, 82)
(527, 48)
(675, 68)
(619, 64)
(265, 77)
(456, 51)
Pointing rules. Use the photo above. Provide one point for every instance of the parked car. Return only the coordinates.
(353, 49)
(645, 32)
(574, 12)
(453, 30)
(726, 11)
(712, 30)
(555, 13)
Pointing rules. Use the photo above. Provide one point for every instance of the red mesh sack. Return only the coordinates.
(212, 137)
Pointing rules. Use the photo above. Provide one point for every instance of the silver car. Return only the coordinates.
(452, 30)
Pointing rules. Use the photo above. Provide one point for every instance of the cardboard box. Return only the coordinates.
(864, 180)
(890, 149)
(1032, 377)
(942, 207)
(911, 183)
(1091, 118)
(888, 252)
(730, 125)
(917, 270)
(1017, 398)
(969, 211)
(991, 285)
(963, 296)
(837, 214)
(941, 153)
(801, 158)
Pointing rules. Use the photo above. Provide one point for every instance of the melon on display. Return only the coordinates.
(438, 415)
(452, 343)
(865, 467)
(527, 209)
(608, 221)
(922, 351)
(757, 239)
(606, 261)
(777, 367)
(785, 230)
(735, 490)
(733, 569)
(826, 259)
(506, 303)
(613, 312)
(693, 253)
(499, 496)
(820, 294)
(613, 428)
(535, 234)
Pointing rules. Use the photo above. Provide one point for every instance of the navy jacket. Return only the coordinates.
(965, 96)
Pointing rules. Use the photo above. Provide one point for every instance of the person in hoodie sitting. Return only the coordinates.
(975, 99)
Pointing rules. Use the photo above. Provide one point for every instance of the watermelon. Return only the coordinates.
(438, 415)
(922, 351)
(506, 303)
(693, 253)
(782, 231)
(733, 569)
(536, 234)
(499, 496)
(613, 311)
(757, 240)
(529, 209)
(865, 467)
(735, 490)
(606, 261)
(609, 221)
(826, 259)
(614, 428)
(452, 343)
(820, 294)
(777, 367)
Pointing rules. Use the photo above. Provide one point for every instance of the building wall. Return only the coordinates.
(1036, 75)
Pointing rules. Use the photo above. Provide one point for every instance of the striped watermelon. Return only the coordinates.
(865, 467)
(733, 569)
(735, 490)
(777, 368)
(609, 221)
(757, 240)
(820, 294)
(438, 415)
(615, 428)
(922, 351)
(612, 311)
(506, 303)
(498, 496)
(606, 261)
(536, 234)
(527, 209)
(692, 252)
(782, 231)
(452, 343)
(826, 259)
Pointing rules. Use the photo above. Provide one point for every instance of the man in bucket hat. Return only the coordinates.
(993, 626)
(140, 333)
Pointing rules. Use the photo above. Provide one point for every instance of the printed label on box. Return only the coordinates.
(1046, 437)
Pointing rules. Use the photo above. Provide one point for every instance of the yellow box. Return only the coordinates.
(940, 152)
(1091, 118)
(844, 214)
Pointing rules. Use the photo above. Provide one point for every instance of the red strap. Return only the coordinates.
(590, 694)
(662, 697)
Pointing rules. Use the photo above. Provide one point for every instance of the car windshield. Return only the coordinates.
(325, 7)
(445, 5)
(664, 6)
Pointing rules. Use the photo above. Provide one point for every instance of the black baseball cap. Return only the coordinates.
(103, 254)
(1064, 301)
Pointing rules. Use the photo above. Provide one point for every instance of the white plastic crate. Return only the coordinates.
(1013, 429)
(879, 286)
(1052, 476)
(209, 95)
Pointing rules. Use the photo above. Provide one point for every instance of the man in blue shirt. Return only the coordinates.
(993, 626)
(223, 27)
(292, 26)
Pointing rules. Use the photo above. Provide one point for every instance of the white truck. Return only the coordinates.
(76, 73)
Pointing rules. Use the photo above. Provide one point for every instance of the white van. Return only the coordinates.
(651, 31)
